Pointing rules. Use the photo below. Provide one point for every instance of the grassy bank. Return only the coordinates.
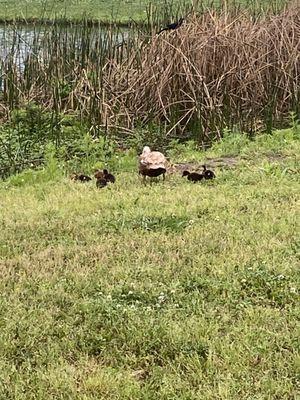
(221, 69)
(72, 10)
(173, 290)
(115, 10)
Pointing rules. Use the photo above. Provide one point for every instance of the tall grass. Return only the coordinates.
(223, 68)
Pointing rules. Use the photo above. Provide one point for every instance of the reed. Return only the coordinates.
(224, 68)
(219, 70)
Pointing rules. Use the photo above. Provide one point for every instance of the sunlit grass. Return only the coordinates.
(121, 10)
(115, 10)
(171, 290)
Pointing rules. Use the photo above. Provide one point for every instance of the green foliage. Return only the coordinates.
(52, 169)
(26, 138)
(232, 143)
(180, 151)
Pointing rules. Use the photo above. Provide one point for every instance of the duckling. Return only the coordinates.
(103, 178)
(80, 177)
(193, 176)
(152, 163)
(101, 183)
(109, 177)
(207, 173)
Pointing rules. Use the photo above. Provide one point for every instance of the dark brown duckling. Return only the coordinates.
(109, 177)
(80, 177)
(193, 176)
(101, 183)
(207, 173)
(103, 178)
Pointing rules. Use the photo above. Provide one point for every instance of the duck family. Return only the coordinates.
(103, 178)
(152, 164)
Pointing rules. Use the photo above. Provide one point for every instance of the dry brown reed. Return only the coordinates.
(216, 71)
(219, 69)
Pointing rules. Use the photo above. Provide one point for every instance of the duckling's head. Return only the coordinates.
(185, 173)
(105, 172)
(204, 167)
(98, 174)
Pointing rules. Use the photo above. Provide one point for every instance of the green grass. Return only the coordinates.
(120, 10)
(169, 291)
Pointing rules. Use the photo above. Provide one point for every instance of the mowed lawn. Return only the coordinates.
(122, 10)
(169, 291)
(114, 10)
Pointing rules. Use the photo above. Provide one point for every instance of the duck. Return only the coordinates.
(103, 178)
(80, 177)
(207, 173)
(152, 163)
(193, 176)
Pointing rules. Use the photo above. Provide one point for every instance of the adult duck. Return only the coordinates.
(152, 163)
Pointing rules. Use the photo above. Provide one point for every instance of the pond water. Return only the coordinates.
(20, 41)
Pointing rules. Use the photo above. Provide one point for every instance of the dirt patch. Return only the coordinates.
(276, 157)
(220, 162)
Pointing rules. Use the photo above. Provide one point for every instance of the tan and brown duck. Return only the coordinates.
(152, 163)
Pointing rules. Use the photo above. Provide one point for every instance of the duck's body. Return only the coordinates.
(80, 177)
(207, 173)
(152, 163)
(153, 173)
(193, 176)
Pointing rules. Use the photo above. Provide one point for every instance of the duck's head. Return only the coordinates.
(185, 173)
(204, 167)
(146, 150)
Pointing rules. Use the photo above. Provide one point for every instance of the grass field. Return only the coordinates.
(169, 291)
(120, 10)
